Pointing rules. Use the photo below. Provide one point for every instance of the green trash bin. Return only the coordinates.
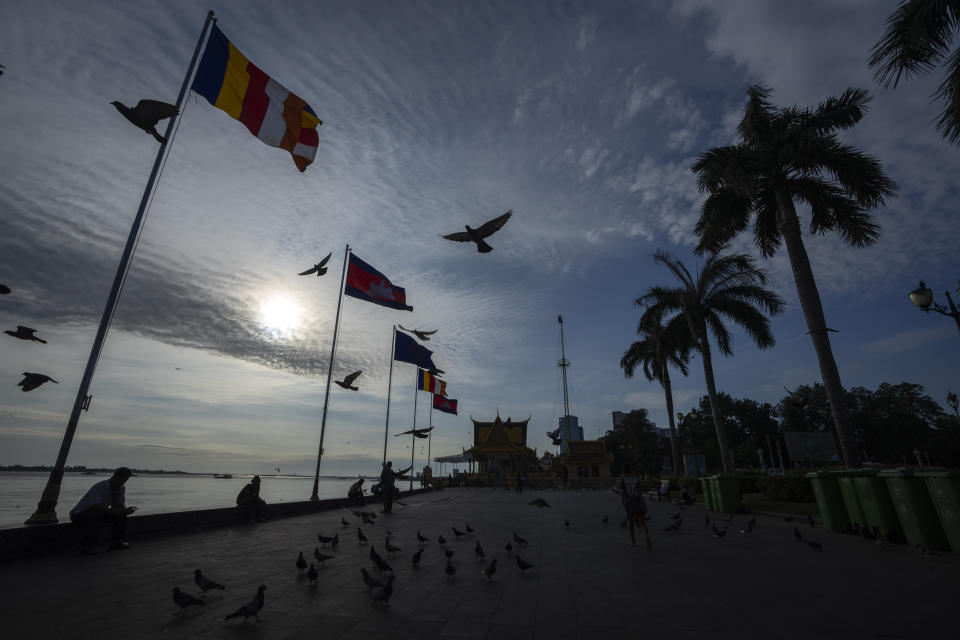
(944, 488)
(878, 510)
(707, 493)
(833, 511)
(914, 508)
(727, 494)
(714, 493)
(851, 501)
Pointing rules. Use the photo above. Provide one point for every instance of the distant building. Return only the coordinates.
(570, 429)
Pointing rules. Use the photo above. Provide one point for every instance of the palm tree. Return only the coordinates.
(655, 352)
(726, 287)
(787, 155)
(918, 37)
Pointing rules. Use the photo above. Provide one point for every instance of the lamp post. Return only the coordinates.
(923, 298)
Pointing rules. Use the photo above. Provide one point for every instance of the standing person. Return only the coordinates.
(250, 501)
(355, 493)
(637, 514)
(519, 483)
(387, 481)
(104, 502)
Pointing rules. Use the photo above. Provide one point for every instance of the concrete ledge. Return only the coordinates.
(64, 536)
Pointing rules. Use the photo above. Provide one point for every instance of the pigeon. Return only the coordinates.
(816, 546)
(623, 523)
(523, 564)
(417, 433)
(335, 541)
(184, 600)
(484, 231)
(706, 521)
(1, 73)
(25, 333)
(251, 608)
(205, 583)
(490, 570)
(312, 574)
(451, 570)
(441, 539)
(4, 289)
(416, 557)
(318, 268)
(811, 521)
(33, 380)
(469, 529)
(348, 381)
(385, 592)
(301, 564)
(147, 114)
(364, 514)
(675, 526)
(344, 522)
(605, 520)
(380, 563)
(926, 552)
(676, 516)
(555, 437)
(361, 539)
(538, 502)
(727, 519)
(421, 539)
(566, 524)
(448, 553)
(368, 520)
(324, 540)
(749, 528)
(423, 335)
(718, 533)
(508, 548)
(435, 372)
(797, 534)
(369, 580)
(321, 557)
(519, 540)
(459, 534)
(478, 551)
(389, 547)
(789, 519)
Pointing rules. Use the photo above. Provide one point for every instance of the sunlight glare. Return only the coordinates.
(280, 314)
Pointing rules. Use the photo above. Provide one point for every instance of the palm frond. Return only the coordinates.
(749, 318)
(756, 114)
(917, 37)
(948, 122)
(839, 113)
(766, 227)
(723, 216)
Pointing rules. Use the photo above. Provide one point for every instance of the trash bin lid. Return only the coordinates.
(937, 473)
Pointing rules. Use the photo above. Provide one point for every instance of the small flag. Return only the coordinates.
(234, 84)
(428, 382)
(406, 349)
(366, 283)
(447, 405)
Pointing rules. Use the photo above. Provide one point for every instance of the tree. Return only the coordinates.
(786, 155)
(918, 37)
(634, 444)
(725, 287)
(746, 422)
(655, 352)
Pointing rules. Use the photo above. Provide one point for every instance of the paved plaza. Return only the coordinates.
(587, 581)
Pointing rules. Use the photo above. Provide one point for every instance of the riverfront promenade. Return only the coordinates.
(587, 583)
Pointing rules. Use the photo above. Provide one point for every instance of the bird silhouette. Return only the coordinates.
(324, 540)
(797, 534)
(301, 564)
(518, 539)
(459, 534)
(490, 570)
(706, 521)
(816, 546)
(384, 595)
(469, 528)
(361, 539)
(477, 235)
(719, 533)
(389, 547)
(348, 381)
(441, 539)
(147, 114)
(418, 433)
(4, 289)
(538, 502)
(318, 268)
(380, 563)
(25, 333)
(421, 539)
(448, 553)
(478, 551)
(435, 371)
(508, 547)
(605, 520)
(417, 556)
(789, 519)
(673, 527)
(344, 522)
(252, 607)
(335, 541)
(523, 564)
(451, 570)
(205, 583)
(676, 516)
(369, 580)
(33, 380)
(312, 574)
(321, 557)
(566, 524)
(555, 437)
(925, 551)
(811, 521)
(423, 335)
(184, 600)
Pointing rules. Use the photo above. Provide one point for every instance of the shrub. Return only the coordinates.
(788, 488)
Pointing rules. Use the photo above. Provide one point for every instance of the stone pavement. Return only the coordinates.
(587, 583)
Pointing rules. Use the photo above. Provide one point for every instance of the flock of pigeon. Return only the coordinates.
(30, 380)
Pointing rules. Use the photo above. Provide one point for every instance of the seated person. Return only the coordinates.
(104, 502)
(688, 494)
(355, 493)
(250, 501)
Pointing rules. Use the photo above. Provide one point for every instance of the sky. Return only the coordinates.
(582, 117)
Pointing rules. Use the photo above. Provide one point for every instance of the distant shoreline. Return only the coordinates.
(95, 470)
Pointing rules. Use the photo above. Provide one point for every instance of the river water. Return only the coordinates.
(156, 493)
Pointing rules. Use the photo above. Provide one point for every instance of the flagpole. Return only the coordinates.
(430, 433)
(386, 429)
(46, 509)
(413, 436)
(333, 353)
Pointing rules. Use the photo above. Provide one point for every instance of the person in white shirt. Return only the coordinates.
(104, 502)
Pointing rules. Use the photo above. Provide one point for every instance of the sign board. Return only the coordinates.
(694, 465)
(811, 446)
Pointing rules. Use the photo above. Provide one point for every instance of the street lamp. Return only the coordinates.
(923, 298)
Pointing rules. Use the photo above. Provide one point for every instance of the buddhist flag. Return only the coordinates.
(366, 283)
(279, 118)
(406, 349)
(428, 382)
(447, 405)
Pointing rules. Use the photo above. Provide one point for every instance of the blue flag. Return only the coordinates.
(406, 349)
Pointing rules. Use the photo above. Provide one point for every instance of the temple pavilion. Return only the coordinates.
(500, 450)
(586, 465)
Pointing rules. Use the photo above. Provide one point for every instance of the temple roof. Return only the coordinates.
(499, 433)
(586, 452)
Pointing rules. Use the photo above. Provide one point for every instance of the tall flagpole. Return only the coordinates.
(413, 436)
(386, 429)
(333, 353)
(46, 509)
(430, 433)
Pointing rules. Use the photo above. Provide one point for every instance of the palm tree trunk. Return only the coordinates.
(817, 326)
(673, 429)
(704, 348)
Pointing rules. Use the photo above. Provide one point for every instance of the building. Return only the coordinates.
(587, 465)
(500, 450)
(570, 430)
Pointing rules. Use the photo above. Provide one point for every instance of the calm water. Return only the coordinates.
(20, 491)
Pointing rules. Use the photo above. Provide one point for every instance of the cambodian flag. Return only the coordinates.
(366, 283)
(447, 405)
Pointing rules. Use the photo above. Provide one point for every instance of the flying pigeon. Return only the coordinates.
(318, 268)
(416, 557)
(184, 600)
(321, 557)
(348, 381)
(451, 570)
(538, 502)
(418, 433)
(369, 580)
(478, 235)
(361, 539)
(436, 372)
(459, 534)
(252, 607)
(4, 289)
(147, 114)
(478, 551)
(301, 564)
(555, 437)
(205, 583)
(423, 335)
(385, 592)
(490, 570)
(24, 333)
(421, 539)
(523, 564)
(33, 380)
(312, 574)
(518, 539)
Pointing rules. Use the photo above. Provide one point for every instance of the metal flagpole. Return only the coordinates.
(430, 433)
(333, 353)
(46, 508)
(386, 429)
(413, 436)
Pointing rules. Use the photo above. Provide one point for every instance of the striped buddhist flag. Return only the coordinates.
(279, 118)
(431, 383)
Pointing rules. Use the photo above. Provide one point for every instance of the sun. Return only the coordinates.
(280, 314)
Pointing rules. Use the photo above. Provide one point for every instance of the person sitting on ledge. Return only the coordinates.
(355, 493)
(104, 502)
(250, 501)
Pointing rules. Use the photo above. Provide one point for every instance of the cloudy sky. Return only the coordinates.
(584, 118)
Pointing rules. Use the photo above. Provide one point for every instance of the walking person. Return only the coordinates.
(637, 514)
(104, 502)
(519, 483)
